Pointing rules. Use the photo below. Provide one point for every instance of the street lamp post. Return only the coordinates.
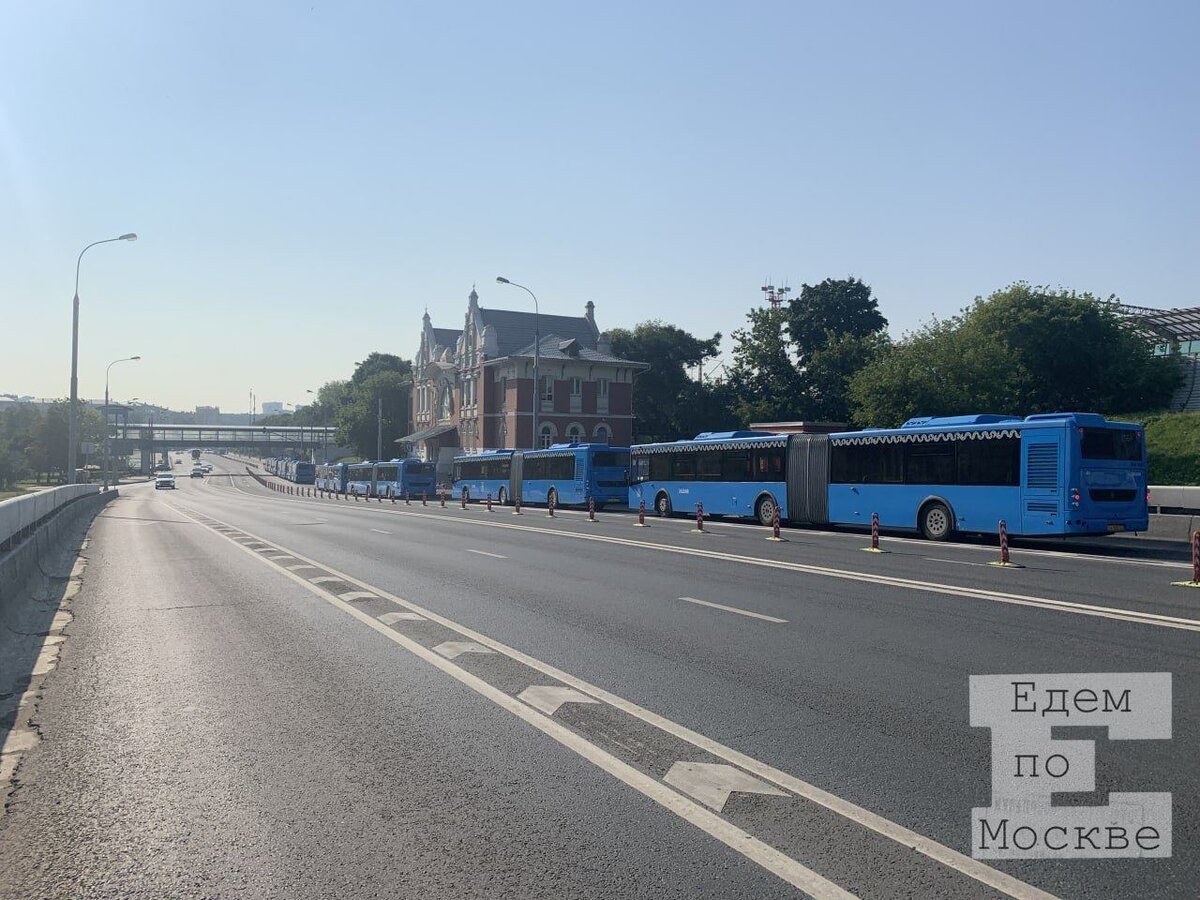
(73, 417)
(324, 433)
(107, 461)
(537, 355)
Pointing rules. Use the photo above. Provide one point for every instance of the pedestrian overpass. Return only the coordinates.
(151, 438)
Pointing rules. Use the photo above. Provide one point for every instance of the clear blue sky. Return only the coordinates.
(307, 177)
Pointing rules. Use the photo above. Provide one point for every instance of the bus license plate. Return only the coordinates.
(1113, 528)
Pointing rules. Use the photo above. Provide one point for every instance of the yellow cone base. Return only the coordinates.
(874, 550)
(778, 540)
(1005, 565)
(1189, 584)
(641, 524)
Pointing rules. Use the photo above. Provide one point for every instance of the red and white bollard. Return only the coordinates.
(875, 548)
(1196, 557)
(442, 496)
(699, 519)
(464, 498)
(489, 501)
(641, 522)
(393, 498)
(550, 505)
(407, 499)
(516, 506)
(775, 535)
(1004, 558)
(591, 509)
(425, 499)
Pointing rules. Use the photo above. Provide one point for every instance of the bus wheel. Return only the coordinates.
(500, 497)
(936, 523)
(662, 505)
(765, 511)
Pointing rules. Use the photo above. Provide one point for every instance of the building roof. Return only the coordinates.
(516, 330)
(1171, 324)
(554, 347)
(447, 337)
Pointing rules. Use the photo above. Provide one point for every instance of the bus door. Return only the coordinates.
(1042, 458)
(517, 466)
(581, 468)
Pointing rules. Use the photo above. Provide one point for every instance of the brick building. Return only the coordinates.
(473, 388)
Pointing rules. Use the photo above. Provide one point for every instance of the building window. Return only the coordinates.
(576, 387)
(546, 435)
(601, 387)
(574, 432)
(602, 434)
(548, 389)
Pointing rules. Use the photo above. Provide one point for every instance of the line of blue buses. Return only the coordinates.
(385, 479)
(1047, 474)
(298, 471)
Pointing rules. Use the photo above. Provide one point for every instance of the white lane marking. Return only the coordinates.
(295, 568)
(393, 617)
(548, 698)
(322, 579)
(358, 595)
(955, 562)
(734, 609)
(952, 859)
(281, 556)
(764, 855)
(485, 553)
(380, 531)
(1065, 606)
(712, 783)
(455, 649)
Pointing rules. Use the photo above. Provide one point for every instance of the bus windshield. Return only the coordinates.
(1120, 444)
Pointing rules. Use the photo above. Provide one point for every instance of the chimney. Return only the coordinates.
(603, 344)
(589, 312)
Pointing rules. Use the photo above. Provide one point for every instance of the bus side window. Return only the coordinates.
(641, 468)
(735, 466)
(660, 467)
(684, 468)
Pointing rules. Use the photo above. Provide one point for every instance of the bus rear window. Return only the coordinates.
(1111, 443)
(606, 459)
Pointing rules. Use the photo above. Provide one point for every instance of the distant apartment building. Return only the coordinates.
(473, 388)
(272, 408)
(208, 415)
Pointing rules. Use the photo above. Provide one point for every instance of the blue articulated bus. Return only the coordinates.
(571, 473)
(332, 477)
(393, 478)
(1048, 474)
(300, 471)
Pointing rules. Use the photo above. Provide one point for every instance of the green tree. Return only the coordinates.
(1022, 350)
(796, 361)
(357, 419)
(376, 363)
(667, 402)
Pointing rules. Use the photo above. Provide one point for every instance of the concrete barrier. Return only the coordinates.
(1174, 497)
(42, 537)
(20, 515)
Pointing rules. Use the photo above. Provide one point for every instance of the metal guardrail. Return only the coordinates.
(20, 515)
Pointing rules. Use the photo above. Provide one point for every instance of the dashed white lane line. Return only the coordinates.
(734, 609)
(485, 553)
(323, 579)
(955, 562)
(764, 855)
(358, 595)
(380, 531)
(297, 568)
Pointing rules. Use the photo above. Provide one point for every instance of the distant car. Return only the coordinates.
(207, 467)
(164, 481)
(197, 472)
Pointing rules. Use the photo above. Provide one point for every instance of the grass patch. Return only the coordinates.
(1172, 445)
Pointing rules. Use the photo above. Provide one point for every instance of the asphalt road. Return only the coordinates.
(269, 695)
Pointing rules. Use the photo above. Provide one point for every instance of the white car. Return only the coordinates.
(207, 467)
(197, 472)
(165, 480)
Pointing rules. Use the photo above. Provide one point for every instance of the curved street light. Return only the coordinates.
(73, 417)
(537, 355)
(107, 460)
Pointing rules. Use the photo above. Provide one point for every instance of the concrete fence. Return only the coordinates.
(1174, 498)
(20, 515)
(33, 527)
